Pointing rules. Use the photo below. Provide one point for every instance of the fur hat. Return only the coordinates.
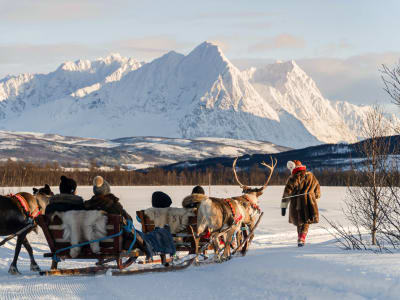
(198, 190)
(160, 200)
(67, 185)
(101, 186)
(291, 165)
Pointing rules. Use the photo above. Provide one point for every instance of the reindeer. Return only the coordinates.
(16, 215)
(249, 199)
(225, 216)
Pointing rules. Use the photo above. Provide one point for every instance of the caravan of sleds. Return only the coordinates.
(214, 230)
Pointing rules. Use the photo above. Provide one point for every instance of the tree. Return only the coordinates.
(368, 194)
(391, 79)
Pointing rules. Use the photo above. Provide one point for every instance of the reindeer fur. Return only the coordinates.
(83, 225)
(215, 215)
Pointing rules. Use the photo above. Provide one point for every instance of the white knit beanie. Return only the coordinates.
(291, 165)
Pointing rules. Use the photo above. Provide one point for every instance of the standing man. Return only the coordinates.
(302, 191)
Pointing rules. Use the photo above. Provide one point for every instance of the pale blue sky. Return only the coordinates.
(340, 43)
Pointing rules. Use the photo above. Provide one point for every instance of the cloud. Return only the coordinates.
(356, 79)
(281, 41)
(334, 48)
(149, 47)
(234, 14)
(27, 11)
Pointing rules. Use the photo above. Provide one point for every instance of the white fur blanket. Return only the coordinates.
(81, 226)
(177, 218)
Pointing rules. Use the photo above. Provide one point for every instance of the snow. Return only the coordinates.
(274, 268)
(135, 152)
(201, 94)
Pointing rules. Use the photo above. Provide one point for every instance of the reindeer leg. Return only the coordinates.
(215, 242)
(196, 239)
(13, 270)
(34, 265)
(227, 249)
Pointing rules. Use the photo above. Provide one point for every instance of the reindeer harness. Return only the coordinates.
(236, 218)
(252, 204)
(25, 205)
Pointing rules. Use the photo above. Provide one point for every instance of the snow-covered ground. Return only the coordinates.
(274, 268)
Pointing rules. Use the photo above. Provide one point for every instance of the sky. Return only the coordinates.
(341, 44)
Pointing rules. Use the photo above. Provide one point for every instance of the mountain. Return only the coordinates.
(201, 94)
(325, 157)
(130, 153)
(292, 92)
(19, 94)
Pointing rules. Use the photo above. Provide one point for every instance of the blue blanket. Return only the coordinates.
(159, 241)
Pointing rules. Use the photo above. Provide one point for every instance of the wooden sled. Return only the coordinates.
(110, 249)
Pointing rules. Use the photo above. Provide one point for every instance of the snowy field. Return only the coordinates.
(274, 268)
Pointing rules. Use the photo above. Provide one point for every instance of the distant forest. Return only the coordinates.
(32, 174)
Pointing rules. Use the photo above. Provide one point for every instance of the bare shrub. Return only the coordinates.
(368, 196)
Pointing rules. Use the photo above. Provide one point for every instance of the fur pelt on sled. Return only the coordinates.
(177, 218)
(83, 225)
(193, 200)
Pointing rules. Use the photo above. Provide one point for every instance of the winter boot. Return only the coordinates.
(302, 240)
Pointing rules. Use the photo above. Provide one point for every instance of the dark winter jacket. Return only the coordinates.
(193, 200)
(303, 208)
(109, 203)
(64, 202)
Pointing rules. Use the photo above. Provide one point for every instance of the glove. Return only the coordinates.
(283, 212)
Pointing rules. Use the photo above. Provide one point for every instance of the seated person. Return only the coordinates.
(67, 199)
(103, 199)
(194, 200)
(160, 200)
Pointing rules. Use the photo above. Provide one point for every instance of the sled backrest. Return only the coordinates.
(183, 240)
(54, 235)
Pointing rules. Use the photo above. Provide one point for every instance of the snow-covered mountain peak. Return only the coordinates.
(279, 74)
(209, 52)
(201, 94)
(112, 61)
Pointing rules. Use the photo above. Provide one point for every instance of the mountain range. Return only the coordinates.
(326, 157)
(127, 153)
(201, 94)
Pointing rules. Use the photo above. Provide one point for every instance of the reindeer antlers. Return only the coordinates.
(270, 167)
(234, 172)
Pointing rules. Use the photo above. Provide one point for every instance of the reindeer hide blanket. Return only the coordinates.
(177, 218)
(81, 226)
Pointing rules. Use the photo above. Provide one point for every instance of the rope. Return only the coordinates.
(127, 228)
(296, 195)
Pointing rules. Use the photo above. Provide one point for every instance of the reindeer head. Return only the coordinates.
(255, 191)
